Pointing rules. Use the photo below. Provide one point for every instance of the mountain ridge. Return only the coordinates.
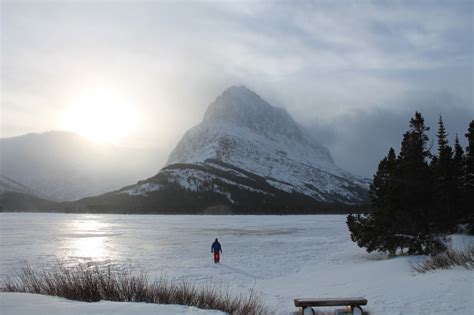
(62, 165)
(246, 156)
(8, 185)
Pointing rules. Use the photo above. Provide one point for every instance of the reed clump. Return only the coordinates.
(448, 259)
(94, 283)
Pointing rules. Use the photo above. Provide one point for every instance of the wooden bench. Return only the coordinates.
(354, 304)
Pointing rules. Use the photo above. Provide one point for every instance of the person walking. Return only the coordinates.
(216, 248)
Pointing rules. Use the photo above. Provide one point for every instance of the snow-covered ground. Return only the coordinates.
(281, 257)
(26, 304)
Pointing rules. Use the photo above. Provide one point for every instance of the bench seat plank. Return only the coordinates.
(330, 302)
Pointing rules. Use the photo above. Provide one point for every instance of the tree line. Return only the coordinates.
(416, 196)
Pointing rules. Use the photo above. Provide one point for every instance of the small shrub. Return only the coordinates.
(92, 284)
(448, 259)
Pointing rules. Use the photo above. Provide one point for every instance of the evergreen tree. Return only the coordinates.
(375, 231)
(415, 178)
(458, 160)
(411, 201)
(444, 183)
(468, 190)
(400, 199)
(434, 164)
(442, 136)
(458, 176)
(382, 188)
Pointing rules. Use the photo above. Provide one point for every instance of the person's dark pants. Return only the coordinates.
(217, 257)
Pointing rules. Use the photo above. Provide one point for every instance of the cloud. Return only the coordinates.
(331, 64)
(359, 140)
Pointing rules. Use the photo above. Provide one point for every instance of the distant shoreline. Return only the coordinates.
(17, 202)
(187, 214)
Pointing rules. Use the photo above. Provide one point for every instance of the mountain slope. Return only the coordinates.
(245, 157)
(65, 166)
(18, 197)
(8, 185)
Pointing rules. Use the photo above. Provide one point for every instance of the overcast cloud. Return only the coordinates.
(353, 72)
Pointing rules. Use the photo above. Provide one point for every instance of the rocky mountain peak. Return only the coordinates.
(240, 120)
(242, 107)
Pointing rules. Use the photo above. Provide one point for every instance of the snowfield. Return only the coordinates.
(280, 257)
(23, 303)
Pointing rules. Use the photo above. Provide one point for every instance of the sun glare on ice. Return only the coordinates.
(90, 241)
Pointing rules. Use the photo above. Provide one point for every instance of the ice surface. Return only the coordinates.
(282, 257)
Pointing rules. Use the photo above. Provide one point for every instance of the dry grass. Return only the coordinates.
(448, 259)
(92, 284)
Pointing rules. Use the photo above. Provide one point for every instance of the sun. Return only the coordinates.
(101, 115)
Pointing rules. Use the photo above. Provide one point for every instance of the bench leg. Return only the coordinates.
(307, 310)
(356, 310)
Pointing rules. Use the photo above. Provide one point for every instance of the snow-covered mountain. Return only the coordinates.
(246, 156)
(65, 166)
(8, 185)
(243, 130)
(18, 197)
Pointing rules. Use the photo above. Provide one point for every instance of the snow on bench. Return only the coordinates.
(353, 303)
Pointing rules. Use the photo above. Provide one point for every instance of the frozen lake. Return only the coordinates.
(282, 257)
(176, 245)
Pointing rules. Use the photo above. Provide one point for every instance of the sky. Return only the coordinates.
(352, 72)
